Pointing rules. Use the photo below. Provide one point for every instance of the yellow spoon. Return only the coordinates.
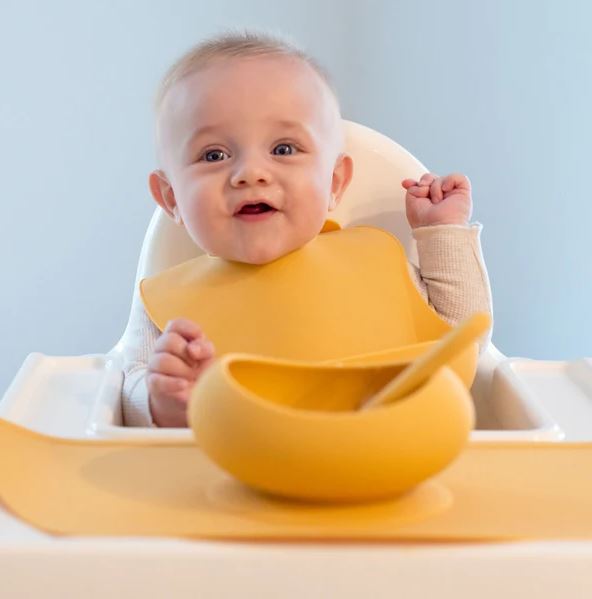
(438, 355)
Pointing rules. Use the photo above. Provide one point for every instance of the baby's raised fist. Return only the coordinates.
(437, 200)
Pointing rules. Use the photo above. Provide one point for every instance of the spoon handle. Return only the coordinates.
(438, 355)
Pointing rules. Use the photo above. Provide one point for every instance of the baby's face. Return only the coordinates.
(252, 159)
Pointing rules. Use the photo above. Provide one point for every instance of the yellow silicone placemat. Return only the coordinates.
(492, 491)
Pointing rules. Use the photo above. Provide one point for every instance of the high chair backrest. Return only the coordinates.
(374, 197)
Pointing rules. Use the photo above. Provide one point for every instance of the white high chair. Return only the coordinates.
(516, 399)
(374, 197)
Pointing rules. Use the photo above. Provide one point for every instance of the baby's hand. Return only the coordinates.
(437, 200)
(180, 355)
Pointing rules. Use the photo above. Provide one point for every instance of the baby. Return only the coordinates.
(251, 153)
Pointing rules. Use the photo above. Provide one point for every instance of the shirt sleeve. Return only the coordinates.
(141, 337)
(452, 275)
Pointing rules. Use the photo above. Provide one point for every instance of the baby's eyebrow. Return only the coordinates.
(202, 131)
(198, 132)
(286, 124)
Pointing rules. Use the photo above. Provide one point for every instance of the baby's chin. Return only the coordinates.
(258, 255)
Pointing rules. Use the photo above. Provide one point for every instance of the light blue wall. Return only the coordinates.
(501, 91)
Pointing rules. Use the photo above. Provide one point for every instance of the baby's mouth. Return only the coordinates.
(254, 209)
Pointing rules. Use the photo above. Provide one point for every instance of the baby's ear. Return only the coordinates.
(342, 175)
(163, 194)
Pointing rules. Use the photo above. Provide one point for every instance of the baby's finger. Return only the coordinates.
(201, 349)
(165, 363)
(419, 192)
(436, 191)
(427, 179)
(173, 343)
(456, 180)
(162, 384)
(407, 183)
(184, 327)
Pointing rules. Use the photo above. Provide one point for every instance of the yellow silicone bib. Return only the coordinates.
(346, 296)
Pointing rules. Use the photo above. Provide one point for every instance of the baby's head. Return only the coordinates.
(250, 146)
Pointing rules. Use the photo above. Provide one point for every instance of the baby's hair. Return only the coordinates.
(234, 44)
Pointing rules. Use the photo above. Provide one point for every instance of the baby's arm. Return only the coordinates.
(141, 336)
(451, 275)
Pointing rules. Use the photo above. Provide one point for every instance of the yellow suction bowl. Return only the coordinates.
(292, 429)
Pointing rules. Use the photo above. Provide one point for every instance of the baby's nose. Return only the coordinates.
(250, 172)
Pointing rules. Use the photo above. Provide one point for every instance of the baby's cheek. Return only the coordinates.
(319, 185)
(201, 227)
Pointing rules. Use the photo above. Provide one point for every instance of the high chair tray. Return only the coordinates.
(55, 394)
(79, 397)
(560, 390)
(137, 567)
(71, 396)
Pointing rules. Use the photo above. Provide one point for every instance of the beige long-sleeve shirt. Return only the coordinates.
(451, 276)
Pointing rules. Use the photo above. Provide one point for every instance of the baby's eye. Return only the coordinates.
(284, 149)
(214, 156)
